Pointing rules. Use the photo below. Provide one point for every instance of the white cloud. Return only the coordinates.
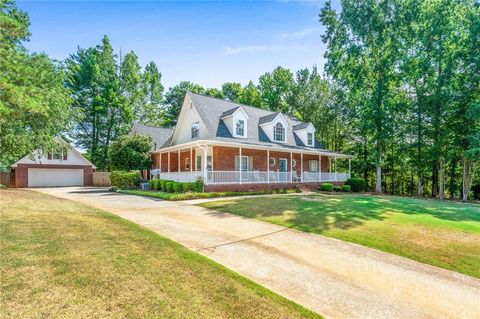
(301, 34)
(260, 48)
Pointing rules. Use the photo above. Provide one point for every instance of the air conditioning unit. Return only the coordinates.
(144, 186)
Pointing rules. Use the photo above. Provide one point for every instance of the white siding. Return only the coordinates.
(188, 115)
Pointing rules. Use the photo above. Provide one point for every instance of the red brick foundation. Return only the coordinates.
(21, 172)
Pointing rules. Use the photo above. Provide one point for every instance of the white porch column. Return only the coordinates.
(178, 170)
(291, 167)
(268, 166)
(204, 163)
(190, 164)
(319, 168)
(168, 157)
(301, 167)
(349, 167)
(335, 161)
(160, 164)
(240, 165)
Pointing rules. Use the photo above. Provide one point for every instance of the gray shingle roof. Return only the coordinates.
(267, 118)
(230, 112)
(211, 111)
(161, 136)
(301, 126)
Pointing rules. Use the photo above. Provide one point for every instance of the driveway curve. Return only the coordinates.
(335, 278)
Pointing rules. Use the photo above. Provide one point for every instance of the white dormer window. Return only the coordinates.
(195, 130)
(310, 139)
(240, 128)
(279, 132)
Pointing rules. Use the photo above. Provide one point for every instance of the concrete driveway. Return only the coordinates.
(334, 278)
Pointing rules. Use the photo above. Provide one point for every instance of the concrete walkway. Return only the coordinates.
(334, 278)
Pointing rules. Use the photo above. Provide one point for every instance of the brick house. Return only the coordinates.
(65, 167)
(240, 147)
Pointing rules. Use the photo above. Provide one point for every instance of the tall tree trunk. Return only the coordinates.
(467, 177)
(441, 173)
(453, 177)
(435, 179)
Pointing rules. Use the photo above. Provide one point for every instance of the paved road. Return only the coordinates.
(334, 278)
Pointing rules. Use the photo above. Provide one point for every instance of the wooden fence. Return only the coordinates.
(7, 179)
(101, 179)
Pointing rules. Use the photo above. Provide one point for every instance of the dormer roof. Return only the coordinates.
(302, 126)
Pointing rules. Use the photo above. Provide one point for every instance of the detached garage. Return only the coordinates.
(65, 168)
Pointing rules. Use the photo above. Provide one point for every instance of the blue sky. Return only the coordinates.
(208, 43)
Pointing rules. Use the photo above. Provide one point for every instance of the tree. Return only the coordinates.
(152, 111)
(275, 90)
(361, 52)
(102, 98)
(232, 91)
(131, 152)
(174, 100)
(250, 95)
(33, 101)
(213, 92)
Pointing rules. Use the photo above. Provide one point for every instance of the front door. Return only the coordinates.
(282, 169)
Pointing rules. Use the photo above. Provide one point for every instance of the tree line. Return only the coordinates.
(400, 91)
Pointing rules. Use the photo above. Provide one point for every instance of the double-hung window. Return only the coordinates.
(313, 166)
(279, 133)
(310, 139)
(240, 128)
(244, 163)
(198, 165)
(195, 130)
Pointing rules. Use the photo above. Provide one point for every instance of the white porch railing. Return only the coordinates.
(181, 176)
(253, 177)
(249, 177)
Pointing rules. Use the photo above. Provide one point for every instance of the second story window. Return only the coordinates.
(240, 128)
(310, 139)
(279, 133)
(195, 130)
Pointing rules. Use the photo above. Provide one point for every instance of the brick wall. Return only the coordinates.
(21, 172)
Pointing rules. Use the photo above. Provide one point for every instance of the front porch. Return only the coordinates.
(228, 165)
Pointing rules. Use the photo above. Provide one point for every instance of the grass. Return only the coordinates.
(444, 234)
(62, 259)
(193, 195)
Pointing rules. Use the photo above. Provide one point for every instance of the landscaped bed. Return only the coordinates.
(440, 233)
(63, 259)
(198, 195)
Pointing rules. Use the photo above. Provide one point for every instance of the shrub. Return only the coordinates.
(198, 185)
(357, 184)
(346, 188)
(188, 187)
(123, 179)
(169, 186)
(337, 188)
(327, 187)
(157, 185)
(163, 185)
(177, 187)
(151, 184)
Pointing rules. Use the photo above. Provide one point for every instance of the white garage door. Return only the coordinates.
(38, 177)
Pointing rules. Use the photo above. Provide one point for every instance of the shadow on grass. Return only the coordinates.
(320, 213)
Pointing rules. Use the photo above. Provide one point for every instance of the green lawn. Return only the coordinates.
(62, 259)
(440, 233)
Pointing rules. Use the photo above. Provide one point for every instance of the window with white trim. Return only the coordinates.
(240, 128)
(187, 164)
(246, 164)
(279, 133)
(198, 165)
(313, 166)
(195, 130)
(310, 139)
